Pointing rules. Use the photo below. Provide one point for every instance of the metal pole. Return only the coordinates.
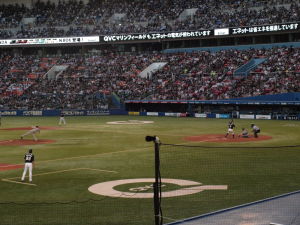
(157, 182)
(156, 186)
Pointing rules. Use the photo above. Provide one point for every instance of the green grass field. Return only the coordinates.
(88, 151)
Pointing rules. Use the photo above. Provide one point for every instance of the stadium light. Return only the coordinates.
(152, 138)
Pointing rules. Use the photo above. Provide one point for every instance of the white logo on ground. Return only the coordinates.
(144, 188)
(130, 122)
(107, 188)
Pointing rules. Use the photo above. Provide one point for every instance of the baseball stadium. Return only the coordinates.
(162, 112)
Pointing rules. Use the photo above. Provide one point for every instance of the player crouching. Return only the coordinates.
(244, 133)
(255, 130)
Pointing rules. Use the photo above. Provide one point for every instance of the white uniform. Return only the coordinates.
(33, 131)
(255, 130)
(62, 119)
(29, 159)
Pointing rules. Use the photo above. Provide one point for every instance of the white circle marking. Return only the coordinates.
(130, 122)
(107, 188)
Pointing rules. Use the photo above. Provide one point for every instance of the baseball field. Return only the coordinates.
(99, 170)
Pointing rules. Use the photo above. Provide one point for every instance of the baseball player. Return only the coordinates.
(62, 119)
(230, 130)
(29, 162)
(33, 131)
(244, 133)
(255, 130)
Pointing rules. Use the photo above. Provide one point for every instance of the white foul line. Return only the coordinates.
(59, 171)
(18, 182)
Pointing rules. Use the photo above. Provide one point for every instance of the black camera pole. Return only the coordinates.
(157, 183)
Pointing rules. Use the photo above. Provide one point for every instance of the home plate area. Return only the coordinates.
(222, 138)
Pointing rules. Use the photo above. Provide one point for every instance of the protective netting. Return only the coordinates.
(223, 177)
(109, 211)
(195, 180)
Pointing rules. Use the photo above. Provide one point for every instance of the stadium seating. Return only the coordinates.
(86, 80)
(111, 17)
(186, 76)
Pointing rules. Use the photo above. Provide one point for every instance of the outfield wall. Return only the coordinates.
(280, 106)
(54, 112)
(220, 115)
(136, 113)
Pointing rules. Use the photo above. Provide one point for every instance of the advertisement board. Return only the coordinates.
(222, 116)
(49, 41)
(155, 36)
(152, 113)
(133, 113)
(54, 112)
(263, 117)
(172, 114)
(200, 115)
(247, 116)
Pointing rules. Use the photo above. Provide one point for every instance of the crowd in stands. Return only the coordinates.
(279, 74)
(88, 80)
(135, 16)
(11, 15)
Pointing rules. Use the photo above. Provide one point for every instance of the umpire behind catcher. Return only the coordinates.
(255, 130)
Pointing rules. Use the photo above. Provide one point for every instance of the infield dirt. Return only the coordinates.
(222, 138)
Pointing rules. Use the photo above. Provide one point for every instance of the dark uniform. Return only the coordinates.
(231, 126)
(29, 159)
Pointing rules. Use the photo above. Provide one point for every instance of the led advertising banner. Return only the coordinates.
(156, 36)
(264, 29)
(50, 41)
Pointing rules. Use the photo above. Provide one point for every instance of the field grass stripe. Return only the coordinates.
(119, 132)
(99, 154)
(17, 182)
(108, 171)
(53, 172)
(106, 153)
(86, 156)
(62, 171)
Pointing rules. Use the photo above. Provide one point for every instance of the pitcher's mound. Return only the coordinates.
(222, 138)
(6, 166)
(26, 142)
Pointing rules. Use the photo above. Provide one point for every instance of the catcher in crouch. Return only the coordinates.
(244, 133)
(230, 130)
